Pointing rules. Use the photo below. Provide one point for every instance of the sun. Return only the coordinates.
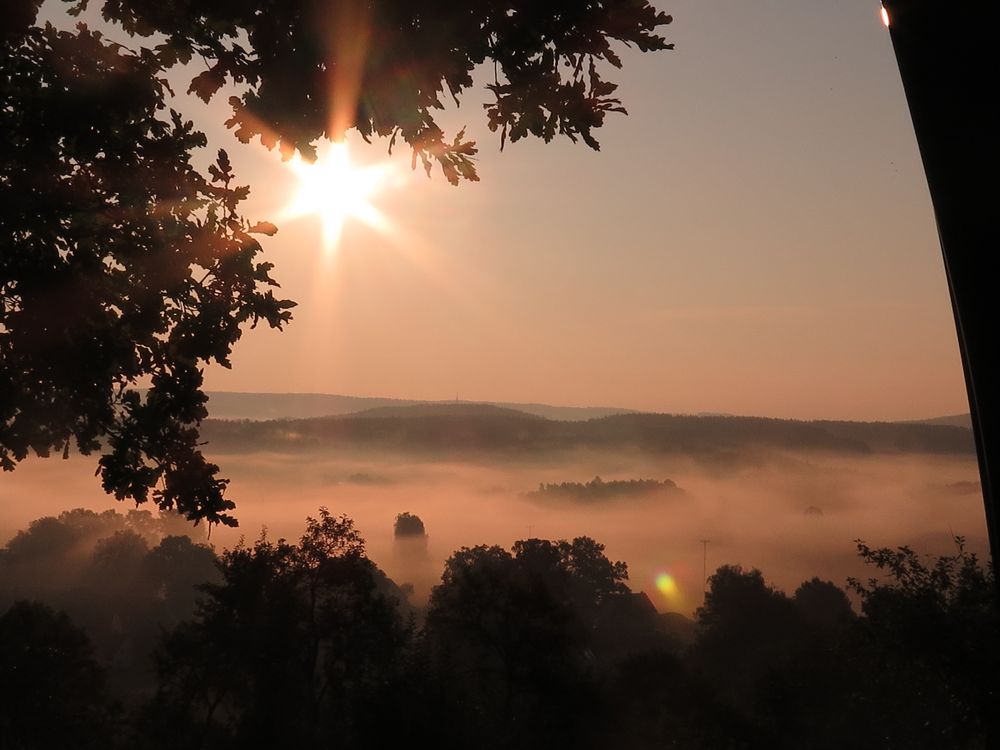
(337, 190)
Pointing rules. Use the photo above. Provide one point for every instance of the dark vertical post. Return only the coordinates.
(704, 569)
(948, 55)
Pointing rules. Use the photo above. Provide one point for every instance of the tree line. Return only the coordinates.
(154, 641)
(461, 432)
(597, 489)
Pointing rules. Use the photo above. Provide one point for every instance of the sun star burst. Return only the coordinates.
(337, 190)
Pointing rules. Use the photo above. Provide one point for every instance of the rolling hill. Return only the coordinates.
(450, 429)
(258, 406)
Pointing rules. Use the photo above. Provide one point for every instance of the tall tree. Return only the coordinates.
(299, 645)
(511, 640)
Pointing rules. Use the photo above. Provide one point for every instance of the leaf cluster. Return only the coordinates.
(927, 599)
(308, 69)
(121, 265)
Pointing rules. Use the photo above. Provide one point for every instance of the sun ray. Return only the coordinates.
(348, 34)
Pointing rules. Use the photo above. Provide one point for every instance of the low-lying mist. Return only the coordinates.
(792, 514)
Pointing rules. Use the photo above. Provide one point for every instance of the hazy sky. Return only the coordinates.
(755, 238)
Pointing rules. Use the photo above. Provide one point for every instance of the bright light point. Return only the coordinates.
(667, 585)
(337, 190)
(885, 17)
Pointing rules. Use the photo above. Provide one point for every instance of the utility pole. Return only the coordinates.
(947, 57)
(704, 568)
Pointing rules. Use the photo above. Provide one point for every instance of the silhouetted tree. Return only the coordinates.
(511, 639)
(122, 264)
(172, 573)
(748, 631)
(927, 650)
(53, 554)
(100, 569)
(49, 540)
(597, 489)
(823, 605)
(296, 646)
(915, 670)
(804, 700)
(117, 563)
(52, 691)
(408, 525)
(540, 646)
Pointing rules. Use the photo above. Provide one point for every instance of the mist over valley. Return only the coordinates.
(784, 496)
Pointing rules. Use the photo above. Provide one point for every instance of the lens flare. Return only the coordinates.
(666, 584)
(885, 17)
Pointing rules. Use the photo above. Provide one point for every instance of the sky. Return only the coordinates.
(756, 237)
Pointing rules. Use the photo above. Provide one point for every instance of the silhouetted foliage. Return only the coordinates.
(314, 69)
(408, 525)
(52, 691)
(542, 645)
(55, 554)
(122, 264)
(747, 630)
(511, 638)
(597, 489)
(122, 578)
(296, 646)
(915, 670)
(928, 648)
(823, 606)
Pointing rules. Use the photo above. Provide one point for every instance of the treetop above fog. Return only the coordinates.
(408, 524)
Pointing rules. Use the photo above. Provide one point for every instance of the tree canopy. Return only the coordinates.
(164, 644)
(408, 525)
(317, 68)
(125, 271)
(516, 634)
(299, 645)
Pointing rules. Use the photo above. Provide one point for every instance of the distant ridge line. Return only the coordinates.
(953, 420)
(454, 429)
(266, 406)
